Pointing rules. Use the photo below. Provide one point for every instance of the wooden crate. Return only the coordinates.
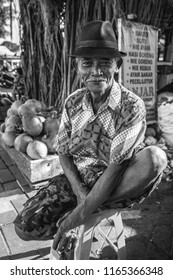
(35, 170)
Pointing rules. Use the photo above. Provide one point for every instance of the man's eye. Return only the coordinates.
(105, 63)
(87, 64)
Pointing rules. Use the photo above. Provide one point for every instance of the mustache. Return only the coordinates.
(95, 79)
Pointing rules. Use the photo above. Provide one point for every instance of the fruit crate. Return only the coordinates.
(36, 170)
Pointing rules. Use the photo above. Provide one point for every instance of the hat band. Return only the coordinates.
(97, 44)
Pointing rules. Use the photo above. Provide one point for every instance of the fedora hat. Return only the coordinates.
(97, 39)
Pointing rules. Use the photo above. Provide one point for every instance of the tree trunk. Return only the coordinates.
(42, 50)
(48, 72)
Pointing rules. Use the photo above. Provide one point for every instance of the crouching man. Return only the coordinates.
(100, 145)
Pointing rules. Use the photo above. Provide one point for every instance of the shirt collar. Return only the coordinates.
(112, 101)
(115, 96)
(86, 103)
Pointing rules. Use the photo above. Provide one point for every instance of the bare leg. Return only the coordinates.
(143, 169)
(111, 187)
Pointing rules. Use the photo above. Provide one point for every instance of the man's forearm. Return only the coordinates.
(99, 193)
(72, 174)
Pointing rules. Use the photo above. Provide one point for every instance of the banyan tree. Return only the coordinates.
(50, 28)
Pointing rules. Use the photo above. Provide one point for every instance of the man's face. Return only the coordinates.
(97, 73)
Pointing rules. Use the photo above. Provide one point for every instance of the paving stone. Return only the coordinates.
(6, 158)
(8, 194)
(144, 229)
(44, 253)
(3, 250)
(7, 257)
(5, 205)
(18, 203)
(165, 219)
(7, 217)
(171, 250)
(169, 193)
(18, 175)
(2, 164)
(41, 253)
(136, 248)
(162, 237)
(167, 204)
(153, 196)
(147, 208)
(155, 253)
(131, 214)
(44, 249)
(28, 255)
(44, 244)
(26, 189)
(147, 218)
(5, 201)
(164, 186)
(11, 186)
(136, 207)
(1, 149)
(6, 176)
(17, 245)
(1, 188)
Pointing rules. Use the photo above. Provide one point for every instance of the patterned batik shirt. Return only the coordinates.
(96, 140)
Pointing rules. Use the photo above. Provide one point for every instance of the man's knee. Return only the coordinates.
(157, 157)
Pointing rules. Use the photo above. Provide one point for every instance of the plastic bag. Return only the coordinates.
(165, 121)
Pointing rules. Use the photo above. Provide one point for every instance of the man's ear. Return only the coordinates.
(116, 70)
(75, 64)
(119, 62)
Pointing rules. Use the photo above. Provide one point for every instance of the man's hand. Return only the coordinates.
(60, 230)
(64, 242)
(70, 170)
(66, 245)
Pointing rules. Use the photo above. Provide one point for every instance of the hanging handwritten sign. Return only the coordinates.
(139, 70)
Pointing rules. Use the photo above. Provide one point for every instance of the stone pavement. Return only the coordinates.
(148, 227)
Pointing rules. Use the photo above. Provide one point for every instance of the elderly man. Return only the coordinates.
(100, 140)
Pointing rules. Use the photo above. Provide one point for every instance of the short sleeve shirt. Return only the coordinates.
(96, 140)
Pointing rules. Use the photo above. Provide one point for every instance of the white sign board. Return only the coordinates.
(139, 70)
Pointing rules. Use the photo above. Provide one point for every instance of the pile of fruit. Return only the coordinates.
(154, 137)
(30, 127)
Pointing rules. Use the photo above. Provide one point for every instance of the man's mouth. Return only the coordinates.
(96, 80)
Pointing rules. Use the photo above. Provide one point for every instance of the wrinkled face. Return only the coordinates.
(97, 73)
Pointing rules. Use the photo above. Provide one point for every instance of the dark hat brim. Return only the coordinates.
(97, 52)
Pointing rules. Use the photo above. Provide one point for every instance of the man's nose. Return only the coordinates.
(96, 70)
